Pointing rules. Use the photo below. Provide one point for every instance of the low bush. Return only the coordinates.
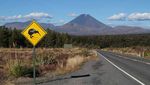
(17, 69)
(85, 52)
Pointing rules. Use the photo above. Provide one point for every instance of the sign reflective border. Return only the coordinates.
(34, 33)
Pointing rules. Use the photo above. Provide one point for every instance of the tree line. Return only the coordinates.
(10, 38)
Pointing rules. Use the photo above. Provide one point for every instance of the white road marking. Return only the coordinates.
(134, 60)
(148, 63)
(122, 70)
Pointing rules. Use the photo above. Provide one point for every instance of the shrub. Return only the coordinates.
(18, 70)
(147, 54)
(85, 52)
(29, 72)
(44, 59)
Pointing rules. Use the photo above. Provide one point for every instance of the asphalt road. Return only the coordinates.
(137, 68)
(110, 69)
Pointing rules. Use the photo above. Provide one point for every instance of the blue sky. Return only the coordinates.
(58, 12)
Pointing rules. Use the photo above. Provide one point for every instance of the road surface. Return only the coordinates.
(110, 69)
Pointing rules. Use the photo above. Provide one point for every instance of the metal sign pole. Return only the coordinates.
(28, 32)
(34, 77)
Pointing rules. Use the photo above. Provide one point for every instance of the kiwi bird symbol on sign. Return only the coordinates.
(32, 31)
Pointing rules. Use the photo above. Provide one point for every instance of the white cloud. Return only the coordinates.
(33, 15)
(62, 21)
(132, 17)
(73, 15)
(59, 22)
(139, 16)
(2, 17)
(120, 16)
(13, 17)
(38, 15)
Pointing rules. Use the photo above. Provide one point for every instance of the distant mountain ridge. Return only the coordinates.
(22, 25)
(85, 24)
(129, 30)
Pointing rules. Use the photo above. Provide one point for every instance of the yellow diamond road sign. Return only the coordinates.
(34, 33)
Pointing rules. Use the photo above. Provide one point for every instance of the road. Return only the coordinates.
(110, 69)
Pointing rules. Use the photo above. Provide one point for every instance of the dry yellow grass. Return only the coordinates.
(74, 62)
(136, 51)
(77, 60)
(50, 62)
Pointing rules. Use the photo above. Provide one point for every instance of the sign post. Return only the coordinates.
(34, 33)
(34, 75)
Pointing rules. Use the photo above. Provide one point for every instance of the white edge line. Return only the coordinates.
(122, 70)
(134, 60)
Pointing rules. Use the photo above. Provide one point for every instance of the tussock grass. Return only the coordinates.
(49, 62)
(136, 51)
(72, 64)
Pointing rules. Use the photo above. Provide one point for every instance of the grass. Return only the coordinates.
(72, 64)
(17, 63)
(147, 54)
(136, 51)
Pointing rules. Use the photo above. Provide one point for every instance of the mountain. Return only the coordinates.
(22, 25)
(84, 25)
(129, 30)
